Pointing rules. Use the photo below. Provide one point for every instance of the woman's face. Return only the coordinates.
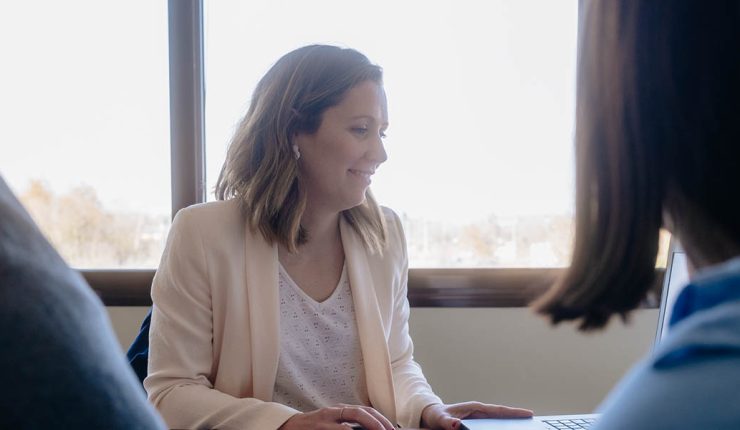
(338, 160)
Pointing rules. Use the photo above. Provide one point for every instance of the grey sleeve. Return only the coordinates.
(62, 366)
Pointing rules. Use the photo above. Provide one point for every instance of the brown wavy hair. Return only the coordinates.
(260, 168)
(657, 138)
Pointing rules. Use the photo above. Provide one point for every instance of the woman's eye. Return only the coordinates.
(360, 130)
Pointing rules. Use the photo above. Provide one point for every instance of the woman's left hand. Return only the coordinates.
(447, 417)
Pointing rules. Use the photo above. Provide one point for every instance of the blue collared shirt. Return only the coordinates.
(692, 380)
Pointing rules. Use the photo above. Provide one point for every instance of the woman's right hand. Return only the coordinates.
(338, 418)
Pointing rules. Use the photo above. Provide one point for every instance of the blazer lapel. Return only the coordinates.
(261, 267)
(369, 324)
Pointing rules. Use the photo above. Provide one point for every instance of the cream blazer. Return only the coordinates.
(214, 343)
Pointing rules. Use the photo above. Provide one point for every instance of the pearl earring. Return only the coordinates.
(296, 151)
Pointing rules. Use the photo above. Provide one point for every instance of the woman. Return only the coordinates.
(658, 143)
(284, 304)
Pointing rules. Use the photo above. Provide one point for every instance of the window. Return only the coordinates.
(481, 100)
(85, 126)
(481, 106)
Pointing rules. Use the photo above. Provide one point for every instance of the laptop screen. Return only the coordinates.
(676, 277)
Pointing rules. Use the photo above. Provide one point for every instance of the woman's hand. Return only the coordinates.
(447, 417)
(337, 418)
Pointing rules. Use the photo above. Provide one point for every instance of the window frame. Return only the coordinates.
(428, 287)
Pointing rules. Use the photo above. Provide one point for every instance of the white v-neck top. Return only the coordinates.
(320, 357)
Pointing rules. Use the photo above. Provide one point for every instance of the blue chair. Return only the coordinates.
(138, 352)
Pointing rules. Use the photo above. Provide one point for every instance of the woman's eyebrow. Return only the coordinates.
(373, 119)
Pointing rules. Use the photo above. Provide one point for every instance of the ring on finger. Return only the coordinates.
(341, 413)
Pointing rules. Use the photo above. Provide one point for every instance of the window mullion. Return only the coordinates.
(187, 100)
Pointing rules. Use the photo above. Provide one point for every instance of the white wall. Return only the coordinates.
(126, 322)
(511, 356)
(505, 355)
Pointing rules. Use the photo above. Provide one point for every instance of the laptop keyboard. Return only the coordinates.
(580, 423)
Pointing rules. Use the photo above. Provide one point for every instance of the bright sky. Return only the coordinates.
(84, 100)
(481, 95)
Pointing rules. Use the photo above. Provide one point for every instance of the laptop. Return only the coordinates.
(676, 277)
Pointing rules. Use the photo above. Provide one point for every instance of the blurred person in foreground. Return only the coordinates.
(658, 145)
(63, 368)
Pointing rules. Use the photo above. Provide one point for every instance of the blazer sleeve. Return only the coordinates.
(413, 392)
(181, 362)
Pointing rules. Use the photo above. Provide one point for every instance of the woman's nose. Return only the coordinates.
(377, 151)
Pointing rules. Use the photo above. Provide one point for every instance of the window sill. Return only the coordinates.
(445, 288)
